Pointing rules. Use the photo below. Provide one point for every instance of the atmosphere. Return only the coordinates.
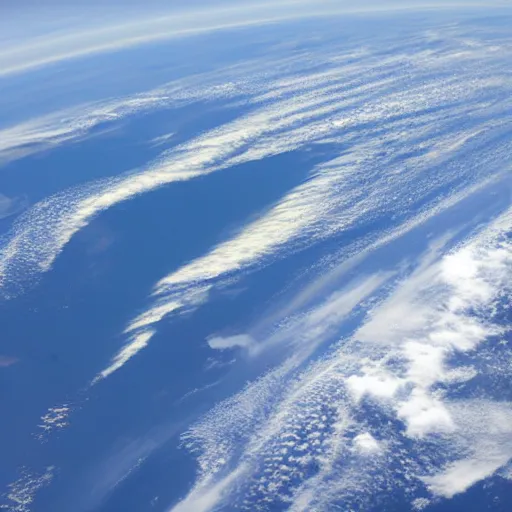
(256, 256)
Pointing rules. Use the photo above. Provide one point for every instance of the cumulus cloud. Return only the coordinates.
(438, 304)
(373, 384)
(488, 435)
(366, 443)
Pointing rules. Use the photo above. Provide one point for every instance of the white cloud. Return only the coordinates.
(366, 443)
(447, 444)
(463, 474)
(402, 352)
(76, 39)
(307, 330)
(319, 109)
(424, 414)
(429, 317)
(420, 503)
(55, 418)
(239, 340)
(11, 205)
(373, 384)
(204, 498)
(486, 429)
(307, 212)
(137, 342)
(22, 492)
(394, 116)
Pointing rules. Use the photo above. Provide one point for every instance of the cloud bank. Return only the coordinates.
(39, 42)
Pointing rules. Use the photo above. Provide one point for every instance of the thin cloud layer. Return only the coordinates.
(50, 43)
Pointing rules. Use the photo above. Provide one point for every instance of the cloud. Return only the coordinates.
(487, 430)
(461, 475)
(375, 337)
(22, 492)
(135, 345)
(423, 414)
(205, 498)
(389, 132)
(331, 201)
(314, 109)
(56, 418)
(77, 39)
(380, 386)
(437, 304)
(11, 205)
(307, 330)
(289, 420)
(239, 340)
(366, 443)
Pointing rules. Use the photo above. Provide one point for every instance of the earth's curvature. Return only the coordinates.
(256, 257)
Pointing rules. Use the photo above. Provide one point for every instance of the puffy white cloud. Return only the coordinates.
(486, 429)
(373, 384)
(425, 414)
(366, 443)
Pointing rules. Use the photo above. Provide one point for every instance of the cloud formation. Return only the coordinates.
(335, 106)
(381, 350)
(50, 43)
(404, 369)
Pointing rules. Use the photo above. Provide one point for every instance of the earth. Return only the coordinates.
(256, 257)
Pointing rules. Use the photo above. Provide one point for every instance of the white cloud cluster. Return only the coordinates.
(56, 418)
(486, 428)
(366, 443)
(440, 309)
(22, 492)
(408, 369)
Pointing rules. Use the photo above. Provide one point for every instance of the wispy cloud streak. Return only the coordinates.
(50, 45)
